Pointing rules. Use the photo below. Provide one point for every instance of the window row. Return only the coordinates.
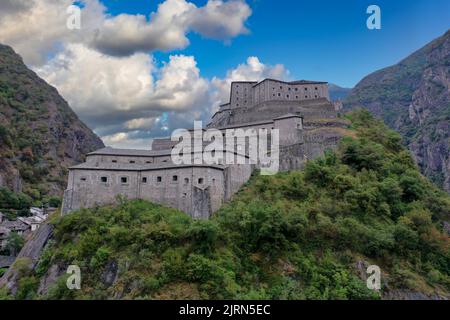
(296, 97)
(133, 161)
(159, 179)
(296, 89)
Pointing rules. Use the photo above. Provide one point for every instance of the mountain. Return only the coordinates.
(413, 97)
(337, 92)
(308, 234)
(40, 136)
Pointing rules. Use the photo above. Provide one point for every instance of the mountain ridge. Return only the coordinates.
(413, 97)
(40, 134)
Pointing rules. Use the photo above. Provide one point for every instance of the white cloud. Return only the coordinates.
(221, 20)
(252, 70)
(121, 94)
(167, 27)
(38, 28)
(126, 34)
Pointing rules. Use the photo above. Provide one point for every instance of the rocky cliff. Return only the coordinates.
(40, 136)
(413, 97)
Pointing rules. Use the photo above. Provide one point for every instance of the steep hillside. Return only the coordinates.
(338, 93)
(306, 234)
(40, 136)
(413, 97)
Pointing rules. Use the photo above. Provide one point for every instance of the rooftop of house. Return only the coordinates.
(15, 225)
(32, 220)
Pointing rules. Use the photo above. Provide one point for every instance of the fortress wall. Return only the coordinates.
(271, 90)
(87, 189)
(241, 94)
(238, 175)
(248, 94)
(290, 130)
(274, 109)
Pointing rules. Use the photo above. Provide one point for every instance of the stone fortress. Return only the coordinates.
(307, 121)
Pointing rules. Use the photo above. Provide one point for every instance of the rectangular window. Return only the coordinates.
(124, 180)
(144, 179)
(83, 178)
(114, 161)
(175, 178)
(200, 180)
(104, 179)
(158, 179)
(132, 161)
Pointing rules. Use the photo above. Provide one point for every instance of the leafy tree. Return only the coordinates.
(14, 243)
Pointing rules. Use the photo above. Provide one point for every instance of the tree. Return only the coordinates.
(14, 243)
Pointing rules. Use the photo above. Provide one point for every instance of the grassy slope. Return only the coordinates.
(296, 235)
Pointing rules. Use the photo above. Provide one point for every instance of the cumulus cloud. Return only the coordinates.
(252, 70)
(38, 28)
(126, 34)
(167, 27)
(44, 22)
(14, 6)
(220, 20)
(124, 94)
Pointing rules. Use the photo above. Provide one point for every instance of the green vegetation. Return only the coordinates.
(18, 202)
(297, 235)
(15, 243)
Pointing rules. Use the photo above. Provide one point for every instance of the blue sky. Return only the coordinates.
(325, 40)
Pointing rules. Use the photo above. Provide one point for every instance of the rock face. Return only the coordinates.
(40, 136)
(413, 97)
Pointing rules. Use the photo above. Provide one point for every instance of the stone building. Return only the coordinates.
(306, 120)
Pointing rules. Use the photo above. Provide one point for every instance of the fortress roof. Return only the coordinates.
(109, 151)
(293, 82)
(255, 83)
(141, 167)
